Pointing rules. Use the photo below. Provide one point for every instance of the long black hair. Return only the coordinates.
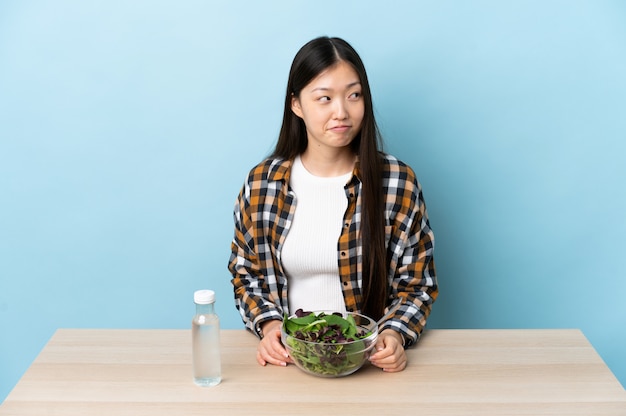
(311, 60)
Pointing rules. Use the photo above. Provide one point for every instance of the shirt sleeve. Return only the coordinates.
(253, 297)
(412, 268)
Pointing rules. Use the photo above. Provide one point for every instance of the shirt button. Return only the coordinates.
(345, 283)
(343, 254)
(346, 225)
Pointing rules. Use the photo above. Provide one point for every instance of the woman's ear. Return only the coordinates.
(295, 106)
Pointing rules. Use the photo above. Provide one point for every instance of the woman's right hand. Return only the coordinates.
(270, 349)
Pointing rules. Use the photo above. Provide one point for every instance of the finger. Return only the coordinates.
(391, 364)
(390, 359)
(265, 357)
(278, 346)
(271, 351)
(383, 349)
(260, 359)
(396, 368)
(399, 365)
(276, 361)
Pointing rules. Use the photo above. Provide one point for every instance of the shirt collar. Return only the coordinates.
(280, 170)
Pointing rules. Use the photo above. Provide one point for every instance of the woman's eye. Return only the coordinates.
(355, 95)
(324, 99)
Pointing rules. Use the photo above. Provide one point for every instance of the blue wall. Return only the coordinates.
(126, 130)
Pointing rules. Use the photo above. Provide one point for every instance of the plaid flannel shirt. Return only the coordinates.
(263, 214)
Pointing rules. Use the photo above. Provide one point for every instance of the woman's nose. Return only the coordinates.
(340, 112)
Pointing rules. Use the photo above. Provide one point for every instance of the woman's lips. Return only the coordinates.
(340, 129)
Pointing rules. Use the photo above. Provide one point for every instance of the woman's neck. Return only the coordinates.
(329, 164)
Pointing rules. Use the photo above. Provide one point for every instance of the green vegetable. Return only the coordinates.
(334, 345)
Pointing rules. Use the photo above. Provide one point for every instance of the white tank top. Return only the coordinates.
(309, 254)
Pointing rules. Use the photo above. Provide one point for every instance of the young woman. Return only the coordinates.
(328, 221)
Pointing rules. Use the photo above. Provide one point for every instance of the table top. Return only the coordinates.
(450, 372)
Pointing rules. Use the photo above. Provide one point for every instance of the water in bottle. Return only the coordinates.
(205, 334)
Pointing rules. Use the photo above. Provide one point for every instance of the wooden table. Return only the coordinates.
(451, 372)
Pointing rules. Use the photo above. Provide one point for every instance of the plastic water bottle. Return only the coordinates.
(205, 334)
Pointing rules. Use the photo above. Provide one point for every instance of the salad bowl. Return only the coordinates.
(329, 344)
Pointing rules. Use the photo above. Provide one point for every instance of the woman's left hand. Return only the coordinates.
(389, 355)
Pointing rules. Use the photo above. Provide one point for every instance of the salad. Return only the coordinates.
(326, 343)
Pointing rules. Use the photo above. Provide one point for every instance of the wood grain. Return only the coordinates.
(451, 372)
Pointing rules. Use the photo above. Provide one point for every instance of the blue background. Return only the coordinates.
(127, 128)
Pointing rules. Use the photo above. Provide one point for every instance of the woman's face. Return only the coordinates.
(331, 107)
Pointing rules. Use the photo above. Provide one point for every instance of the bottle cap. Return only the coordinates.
(203, 297)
